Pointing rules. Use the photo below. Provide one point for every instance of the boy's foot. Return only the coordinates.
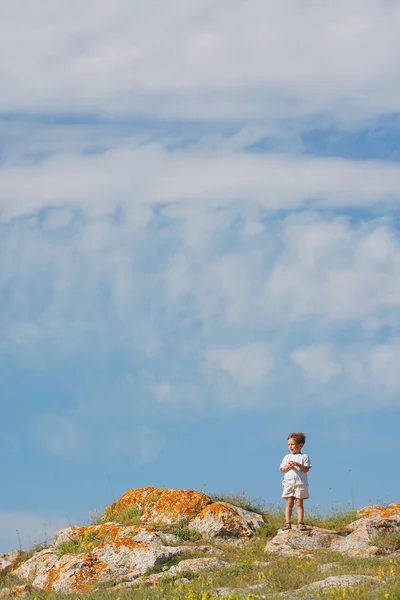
(302, 527)
(286, 526)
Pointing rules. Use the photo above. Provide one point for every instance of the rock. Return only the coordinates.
(297, 543)
(39, 563)
(223, 520)
(128, 559)
(17, 591)
(359, 542)
(5, 564)
(91, 535)
(193, 565)
(392, 511)
(337, 581)
(162, 505)
(121, 559)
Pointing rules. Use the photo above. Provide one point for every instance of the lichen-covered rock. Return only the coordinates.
(129, 559)
(162, 505)
(373, 520)
(392, 511)
(223, 520)
(17, 591)
(122, 559)
(5, 564)
(40, 562)
(73, 573)
(297, 543)
(193, 565)
(91, 535)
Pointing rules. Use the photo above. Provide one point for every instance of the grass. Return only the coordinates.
(129, 515)
(388, 541)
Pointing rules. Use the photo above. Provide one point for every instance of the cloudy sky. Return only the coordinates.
(199, 251)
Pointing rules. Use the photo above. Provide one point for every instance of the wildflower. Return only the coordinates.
(261, 575)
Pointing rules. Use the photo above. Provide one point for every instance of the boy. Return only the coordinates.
(295, 483)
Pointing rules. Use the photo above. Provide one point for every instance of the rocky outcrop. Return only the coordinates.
(95, 554)
(130, 556)
(356, 540)
(223, 520)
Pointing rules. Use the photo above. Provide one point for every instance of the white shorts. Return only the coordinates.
(296, 490)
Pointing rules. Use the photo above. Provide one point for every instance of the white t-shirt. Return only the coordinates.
(296, 475)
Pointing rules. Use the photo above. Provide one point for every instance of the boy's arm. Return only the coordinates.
(304, 468)
(286, 468)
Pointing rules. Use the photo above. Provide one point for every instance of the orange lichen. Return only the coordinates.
(83, 578)
(176, 504)
(161, 504)
(136, 497)
(381, 512)
(105, 532)
(217, 508)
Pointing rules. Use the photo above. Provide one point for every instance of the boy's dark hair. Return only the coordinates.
(298, 437)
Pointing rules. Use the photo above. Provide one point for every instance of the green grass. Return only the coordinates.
(129, 515)
(388, 541)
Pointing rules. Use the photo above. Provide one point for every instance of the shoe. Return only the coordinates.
(287, 526)
(302, 527)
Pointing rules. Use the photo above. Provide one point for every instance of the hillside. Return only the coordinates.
(158, 543)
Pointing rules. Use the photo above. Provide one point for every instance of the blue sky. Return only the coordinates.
(199, 251)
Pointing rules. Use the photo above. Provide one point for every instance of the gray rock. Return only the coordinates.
(223, 520)
(196, 564)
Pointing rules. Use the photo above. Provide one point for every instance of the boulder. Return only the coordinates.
(193, 565)
(161, 505)
(356, 540)
(223, 520)
(297, 543)
(123, 559)
(41, 562)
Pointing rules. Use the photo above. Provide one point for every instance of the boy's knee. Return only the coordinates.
(299, 501)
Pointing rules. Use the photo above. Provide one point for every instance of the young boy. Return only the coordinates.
(295, 483)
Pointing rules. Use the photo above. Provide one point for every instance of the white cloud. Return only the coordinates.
(162, 390)
(124, 177)
(248, 366)
(201, 59)
(316, 363)
(25, 528)
(375, 368)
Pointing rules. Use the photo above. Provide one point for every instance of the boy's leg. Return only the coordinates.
(289, 508)
(300, 509)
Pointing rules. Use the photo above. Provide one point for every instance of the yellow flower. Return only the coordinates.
(261, 575)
